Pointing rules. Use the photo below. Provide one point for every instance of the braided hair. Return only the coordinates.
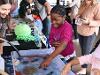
(59, 9)
(22, 10)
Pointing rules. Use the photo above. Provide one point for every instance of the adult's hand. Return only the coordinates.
(85, 21)
(66, 69)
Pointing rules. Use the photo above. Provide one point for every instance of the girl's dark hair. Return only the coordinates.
(5, 2)
(22, 10)
(59, 9)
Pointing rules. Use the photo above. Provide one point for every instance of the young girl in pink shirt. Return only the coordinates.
(61, 35)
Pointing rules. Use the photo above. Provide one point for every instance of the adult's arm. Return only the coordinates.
(46, 4)
(96, 20)
(73, 3)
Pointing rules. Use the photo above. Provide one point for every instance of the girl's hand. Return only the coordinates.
(45, 63)
(66, 69)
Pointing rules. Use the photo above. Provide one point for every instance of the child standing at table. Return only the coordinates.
(60, 36)
(37, 20)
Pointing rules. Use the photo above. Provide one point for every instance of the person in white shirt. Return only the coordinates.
(75, 5)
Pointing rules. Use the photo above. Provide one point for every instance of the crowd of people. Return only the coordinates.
(51, 21)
